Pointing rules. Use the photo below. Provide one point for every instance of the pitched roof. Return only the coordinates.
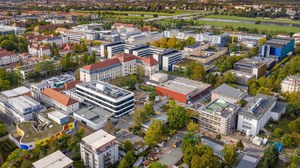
(148, 60)
(125, 57)
(71, 85)
(102, 64)
(58, 97)
(123, 24)
(8, 53)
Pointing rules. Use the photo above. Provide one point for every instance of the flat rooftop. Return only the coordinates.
(229, 91)
(94, 114)
(98, 139)
(184, 62)
(184, 85)
(30, 132)
(172, 158)
(278, 41)
(24, 102)
(16, 92)
(220, 107)
(54, 160)
(105, 89)
(59, 79)
(124, 135)
(250, 62)
(257, 106)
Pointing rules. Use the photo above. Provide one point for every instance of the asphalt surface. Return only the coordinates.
(8, 122)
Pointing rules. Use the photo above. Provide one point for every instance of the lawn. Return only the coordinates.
(282, 123)
(252, 19)
(177, 12)
(250, 25)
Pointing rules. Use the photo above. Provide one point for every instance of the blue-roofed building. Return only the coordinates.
(278, 47)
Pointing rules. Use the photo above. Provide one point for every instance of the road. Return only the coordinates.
(8, 122)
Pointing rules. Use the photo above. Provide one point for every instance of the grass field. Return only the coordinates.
(177, 12)
(253, 19)
(250, 25)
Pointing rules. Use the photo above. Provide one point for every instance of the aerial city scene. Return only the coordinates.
(149, 83)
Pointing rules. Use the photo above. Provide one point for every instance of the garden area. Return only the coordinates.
(6, 147)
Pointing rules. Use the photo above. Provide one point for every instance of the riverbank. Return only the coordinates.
(260, 27)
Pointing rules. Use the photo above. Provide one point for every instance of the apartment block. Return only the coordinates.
(218, 116)
(99, 150)
(291, 84)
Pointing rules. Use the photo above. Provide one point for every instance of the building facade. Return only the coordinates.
(257, 112)
(110, 98)
(278, 47)
(218, 116)
(291, 84)
(99, 150)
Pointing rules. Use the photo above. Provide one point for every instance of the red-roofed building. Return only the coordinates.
(39, 50)
(7, 57)
(118, 65)
(59, 101)
(123, 27)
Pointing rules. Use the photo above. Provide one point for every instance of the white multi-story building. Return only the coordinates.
(119, 65)
(124, 28)
(217, 40)
(39, 50)
(168, 58)
(218, 116)
(54, 82)
(20, 108)
(7, 57)
(99, 150)
(291, 84)
(257, 112)
(145, 37)
(57, 40)
(111, 98)
(108, 50)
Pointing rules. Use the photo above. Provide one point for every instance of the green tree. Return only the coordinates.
(155, 132)
(294, 125)
(149, 109)
(287, 141)
(240, 145)
(156, 165)
(2, 129)
(270, 157)
(229, 154)
(130, 158)
(218, 137)
(278, 132)
(139, 116)
(128, 146)
(261, 42)
(83, 46)
(124, 164)
(192, 126)
(177, 117)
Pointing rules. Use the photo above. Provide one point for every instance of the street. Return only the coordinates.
(8, 122)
